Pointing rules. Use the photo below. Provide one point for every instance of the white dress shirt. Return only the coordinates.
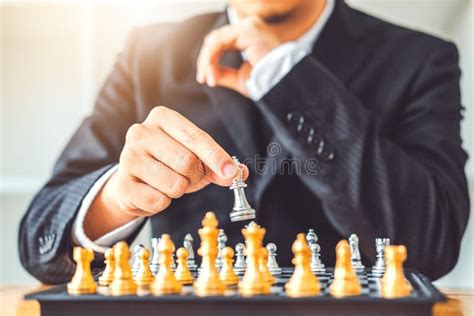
(263, 77)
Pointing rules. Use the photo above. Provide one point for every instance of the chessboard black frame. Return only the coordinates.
(55, 301)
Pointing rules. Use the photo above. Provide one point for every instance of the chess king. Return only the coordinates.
(339, 118)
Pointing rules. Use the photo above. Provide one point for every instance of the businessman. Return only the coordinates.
(374, 107)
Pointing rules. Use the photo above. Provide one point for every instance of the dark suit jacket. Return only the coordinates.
(375, 109)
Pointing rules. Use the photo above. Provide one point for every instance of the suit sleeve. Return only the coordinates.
(409, 186)
(45, 244)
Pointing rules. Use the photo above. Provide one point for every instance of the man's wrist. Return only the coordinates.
(104, 214)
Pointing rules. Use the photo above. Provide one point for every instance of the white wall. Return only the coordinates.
(56, 54)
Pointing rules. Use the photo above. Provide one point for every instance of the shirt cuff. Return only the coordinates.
(272, 68)
(101, 244)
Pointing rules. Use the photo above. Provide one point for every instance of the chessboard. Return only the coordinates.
(57, 301)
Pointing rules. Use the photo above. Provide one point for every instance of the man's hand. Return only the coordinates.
(163, 158)
(251, 36)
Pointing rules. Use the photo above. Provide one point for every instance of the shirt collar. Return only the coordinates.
(308, 39)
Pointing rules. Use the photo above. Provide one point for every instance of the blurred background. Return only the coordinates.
(55, 56)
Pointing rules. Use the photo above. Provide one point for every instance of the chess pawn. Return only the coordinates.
(182, 273)
(263, 266)
(144, 276)
(208, 283)
(272, 264)
(316, 264)
(82, 282)
(155, 259)
(302, 282)
(240, 265)
(227, 274)
(394, 284)
(253, 281)
(165, 282)
(345, 281)
(108, 275)
(123, 282)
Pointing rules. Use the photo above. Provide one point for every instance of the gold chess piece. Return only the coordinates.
(263, 266)
(345, 281)
(182, 274)
(253, 281)
(108, 275)
(165, 281)
(227, 274)
(208, 283)
(144, 277)
(82, 282)
(302, 282)
(122, 283)
(393, 283)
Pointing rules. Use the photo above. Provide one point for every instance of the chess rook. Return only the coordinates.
(82, 282)
(242, 209)
(208, 282)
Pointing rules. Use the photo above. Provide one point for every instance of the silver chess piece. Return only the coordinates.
(155, 257)
(136, 259)
(356, 259)
(316, 264)
(221, 244)
(188, 244)
(242, 209)
(379, 267)
(272, 264)
(311, 237)
(239, 265)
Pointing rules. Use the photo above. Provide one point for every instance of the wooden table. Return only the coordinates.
(460, 303)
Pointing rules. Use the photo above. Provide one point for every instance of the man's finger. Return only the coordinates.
(147, 200)
(215, 45)
(174, 155)
(197, 141)
(231, 78)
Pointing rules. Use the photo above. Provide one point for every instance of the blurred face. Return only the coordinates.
(271, 11)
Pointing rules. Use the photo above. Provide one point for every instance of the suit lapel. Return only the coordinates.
(342, 46)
